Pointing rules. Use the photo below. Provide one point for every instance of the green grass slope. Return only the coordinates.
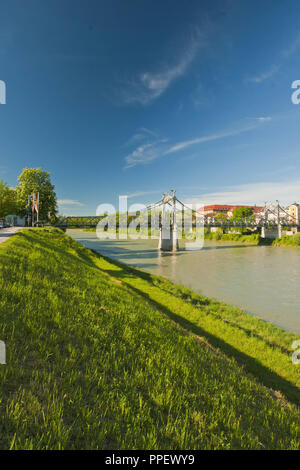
(100, 356)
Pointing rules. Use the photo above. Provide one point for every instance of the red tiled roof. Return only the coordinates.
(217, 207)
(227, 207)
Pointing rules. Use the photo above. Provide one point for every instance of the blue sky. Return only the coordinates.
(138, 97)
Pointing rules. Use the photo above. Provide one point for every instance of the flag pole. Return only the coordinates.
(37, 207)
(33, 204)
(32, 212)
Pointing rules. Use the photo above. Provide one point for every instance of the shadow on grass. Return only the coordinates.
(189, 296)
(267, 377)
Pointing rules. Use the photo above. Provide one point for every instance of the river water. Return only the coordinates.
(263, 280)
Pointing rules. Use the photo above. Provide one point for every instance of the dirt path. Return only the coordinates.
(5, 233)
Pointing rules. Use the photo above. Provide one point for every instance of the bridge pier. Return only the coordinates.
(164, 243)
(168, 239)
(273, 233)
(168, 234)
(175, 244)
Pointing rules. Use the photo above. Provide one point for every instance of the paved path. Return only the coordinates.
(5, 233)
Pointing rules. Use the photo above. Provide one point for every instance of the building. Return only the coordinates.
(15, 220)
(258, 211)
(294, 213)
(214, 209)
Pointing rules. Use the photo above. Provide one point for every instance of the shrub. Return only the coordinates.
(296, 239)
(218, 234)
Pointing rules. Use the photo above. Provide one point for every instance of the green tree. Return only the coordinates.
(7, 200)
(34, 180)
(242, 213)
(221, 217)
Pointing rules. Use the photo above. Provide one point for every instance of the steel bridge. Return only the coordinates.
(272, 218)
(73, 222)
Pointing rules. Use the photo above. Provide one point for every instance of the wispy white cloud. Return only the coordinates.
(253, 123)
(149, 85)
(148, 131)
(142, 134)
(285, 54)
(143, 193)
(293, 47)
(134, 139)
(264, 118)
(69, 202)
(145, 153)
(265, 75)
(154, 149)
(286, 192)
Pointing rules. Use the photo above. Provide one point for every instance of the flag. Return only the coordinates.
(37, 202)
(33, 202)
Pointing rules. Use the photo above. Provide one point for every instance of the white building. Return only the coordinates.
(15, 220)
(294, 213)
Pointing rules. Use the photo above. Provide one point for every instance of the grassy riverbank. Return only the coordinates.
(100, 355)
(254, 238)
(288, 240)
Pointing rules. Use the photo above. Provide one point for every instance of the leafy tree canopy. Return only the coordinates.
(7, 200)
(221, 217)
(242, 212)
(34, 180)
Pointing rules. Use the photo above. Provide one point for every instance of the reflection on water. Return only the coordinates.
(262, 280)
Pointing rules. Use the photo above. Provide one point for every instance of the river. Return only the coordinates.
(262, 280)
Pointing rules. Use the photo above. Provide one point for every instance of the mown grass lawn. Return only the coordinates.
(101, 356)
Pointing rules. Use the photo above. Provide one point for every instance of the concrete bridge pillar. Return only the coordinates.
(271, 232)
(168, 234)
(175, 244)
(165, 240)
(168, 239)
(160, 239)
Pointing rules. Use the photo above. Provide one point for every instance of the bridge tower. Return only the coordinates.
(168, 234)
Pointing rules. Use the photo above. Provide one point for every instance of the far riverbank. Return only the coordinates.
(253, 238)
